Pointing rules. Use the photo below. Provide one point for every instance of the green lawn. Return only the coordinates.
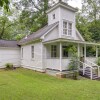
(23, 84)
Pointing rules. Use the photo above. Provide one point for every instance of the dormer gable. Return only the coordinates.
(55, 13)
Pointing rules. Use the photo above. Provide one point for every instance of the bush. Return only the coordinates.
(73, 66)
(9, 66)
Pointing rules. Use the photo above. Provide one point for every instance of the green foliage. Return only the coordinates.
(73, 65)
(6, 27)
(82, 25)
(9, 66)
(94, 28)
(4, 4)
(91, 9)
(72, 49)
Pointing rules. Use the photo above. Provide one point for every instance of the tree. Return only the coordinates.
(6, 28)
(82, 25)
(33, 14)
(94, 28)
(91, 9)
(4, 4)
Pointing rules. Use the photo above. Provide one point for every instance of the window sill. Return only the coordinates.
(66, 35)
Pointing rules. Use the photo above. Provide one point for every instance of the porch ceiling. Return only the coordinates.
(72, 41)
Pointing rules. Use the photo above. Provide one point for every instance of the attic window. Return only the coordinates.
(53, 16)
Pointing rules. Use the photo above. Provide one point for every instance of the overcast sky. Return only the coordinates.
(75, 3)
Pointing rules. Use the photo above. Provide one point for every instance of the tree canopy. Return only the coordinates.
(27, 16)
(4, 4)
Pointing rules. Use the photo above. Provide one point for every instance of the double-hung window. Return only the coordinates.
(67, 28)
(32, 51)
(65, 24)
(53, 51)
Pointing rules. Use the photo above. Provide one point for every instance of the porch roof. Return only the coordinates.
(72, 41)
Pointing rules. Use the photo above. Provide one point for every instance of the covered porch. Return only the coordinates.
(57, 57)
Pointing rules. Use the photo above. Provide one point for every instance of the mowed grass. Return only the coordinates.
(23, 84)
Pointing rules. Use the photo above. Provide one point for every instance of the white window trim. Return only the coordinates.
(67, 28)
(52, 52)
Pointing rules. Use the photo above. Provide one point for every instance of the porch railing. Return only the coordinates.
(84, 67)
(93, 65)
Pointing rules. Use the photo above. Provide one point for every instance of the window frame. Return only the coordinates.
(70, 29)
(53, 51)
(63, 51)
(53, 16)
(66, 30)
(32, 52)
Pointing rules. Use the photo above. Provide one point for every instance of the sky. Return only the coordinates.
(75, 3)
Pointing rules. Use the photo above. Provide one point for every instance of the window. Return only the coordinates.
(22, 53)
(53, 51)
(53, 16)
(32, 51)
(64, 51)
(67, 28)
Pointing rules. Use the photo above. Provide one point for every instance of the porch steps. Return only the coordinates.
(87, 74)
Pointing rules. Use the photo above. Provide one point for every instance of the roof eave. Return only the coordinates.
(62, 4)
(72, 41)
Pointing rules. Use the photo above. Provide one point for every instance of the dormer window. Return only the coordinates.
(67, 28)
(53, 16)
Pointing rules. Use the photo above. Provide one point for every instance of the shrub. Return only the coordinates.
(9, 65)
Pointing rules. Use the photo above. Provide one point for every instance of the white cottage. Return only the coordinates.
(45, 49)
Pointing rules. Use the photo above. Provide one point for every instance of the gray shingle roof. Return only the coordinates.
(8, 43)
(36, 35)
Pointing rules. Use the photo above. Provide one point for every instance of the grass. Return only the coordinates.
(23, 84)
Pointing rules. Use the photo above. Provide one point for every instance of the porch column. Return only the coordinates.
(60, 56)
(78, 49)
(96, 52)
(84, 52)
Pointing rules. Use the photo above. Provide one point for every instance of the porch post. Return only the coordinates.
(96, 52)
(60, 56)
(78, 49)
(84, 52)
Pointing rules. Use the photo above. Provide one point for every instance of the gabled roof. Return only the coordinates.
(64, 5)
(37, 35)
(8, 43)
